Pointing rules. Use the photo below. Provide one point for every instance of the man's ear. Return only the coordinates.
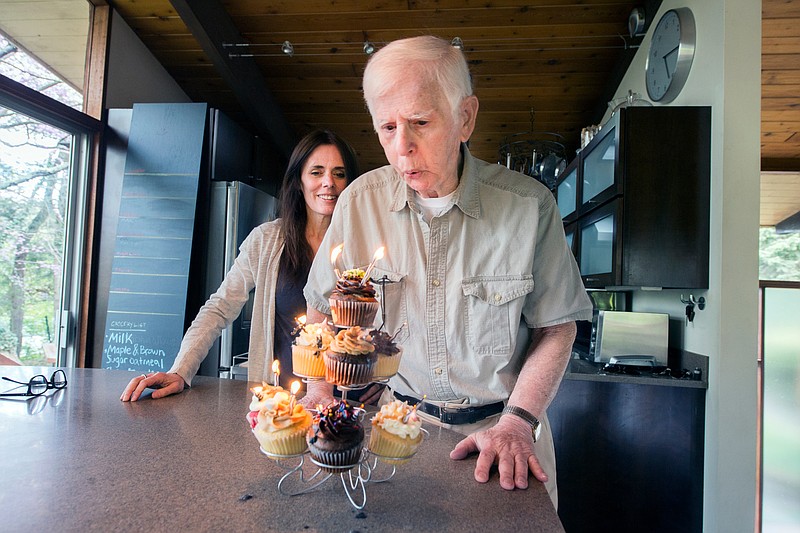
(467, 116)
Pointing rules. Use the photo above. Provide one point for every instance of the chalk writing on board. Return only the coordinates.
(153, 243)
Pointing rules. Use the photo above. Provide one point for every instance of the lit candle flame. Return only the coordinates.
(378, 256)
(294, 388)
(334, 256)
(276, 372)
(301, 319)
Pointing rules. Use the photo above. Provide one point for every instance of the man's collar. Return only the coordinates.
(466, 194)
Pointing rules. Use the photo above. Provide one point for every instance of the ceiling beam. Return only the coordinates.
(212, 27)
(789, 225)
(777, 164)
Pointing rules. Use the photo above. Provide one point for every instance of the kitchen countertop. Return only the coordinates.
(580, 369)
(79, 459)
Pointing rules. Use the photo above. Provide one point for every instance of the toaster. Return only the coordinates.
(619, 334)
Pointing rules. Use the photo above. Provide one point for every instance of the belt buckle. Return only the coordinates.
(448, 416)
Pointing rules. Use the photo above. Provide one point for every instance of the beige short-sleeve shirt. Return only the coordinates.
(468, 286)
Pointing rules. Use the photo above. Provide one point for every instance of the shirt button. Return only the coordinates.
(436, 283)
(497, 297)
(438, 371)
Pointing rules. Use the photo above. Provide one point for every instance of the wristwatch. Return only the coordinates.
(536, 426)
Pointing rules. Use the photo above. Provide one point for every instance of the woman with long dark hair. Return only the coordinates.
(273, 260)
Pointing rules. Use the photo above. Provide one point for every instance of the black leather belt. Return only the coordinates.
(454, 415)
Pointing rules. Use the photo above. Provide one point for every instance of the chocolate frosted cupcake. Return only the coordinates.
(336, 437)
(307, 350)
(351, 358)
(389, 355)
(353, 304)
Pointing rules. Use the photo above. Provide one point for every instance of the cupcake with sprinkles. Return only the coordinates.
(336, 436)
(353, 301)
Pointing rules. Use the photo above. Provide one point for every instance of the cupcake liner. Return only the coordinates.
(336, 461)
(306, 362)
(282, 444)
(345, 373)
(387, 365)
(391, 448)
(349, 313)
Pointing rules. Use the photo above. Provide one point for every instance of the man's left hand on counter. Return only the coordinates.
(509, 444)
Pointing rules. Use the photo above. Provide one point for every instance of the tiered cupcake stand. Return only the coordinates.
(302, 477)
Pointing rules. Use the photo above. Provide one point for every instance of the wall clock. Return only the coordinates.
(670, 56)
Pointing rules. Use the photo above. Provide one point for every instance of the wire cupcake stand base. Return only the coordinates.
(303, 476)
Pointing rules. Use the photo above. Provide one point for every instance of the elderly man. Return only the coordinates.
(476, 265)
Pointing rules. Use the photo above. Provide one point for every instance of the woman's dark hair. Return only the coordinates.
(297, 254)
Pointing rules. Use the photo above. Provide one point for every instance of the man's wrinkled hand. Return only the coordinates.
(509, 444)
(318, 393)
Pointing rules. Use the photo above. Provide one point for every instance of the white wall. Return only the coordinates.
(726, 74)
(134, 75)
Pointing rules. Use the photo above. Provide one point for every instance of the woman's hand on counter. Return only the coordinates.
(165, 385)
(509, 444)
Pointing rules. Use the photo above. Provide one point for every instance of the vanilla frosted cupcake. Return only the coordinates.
(353, 304)
(396, 432)
(307, 350)
(280, 425)
(389, 355)
(350, 359)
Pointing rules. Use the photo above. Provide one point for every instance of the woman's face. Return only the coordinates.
(323, 179)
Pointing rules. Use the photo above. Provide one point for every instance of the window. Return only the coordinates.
(44, 162)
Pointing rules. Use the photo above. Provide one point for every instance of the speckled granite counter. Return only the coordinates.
(81, 460)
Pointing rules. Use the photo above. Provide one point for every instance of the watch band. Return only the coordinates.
(527, 416)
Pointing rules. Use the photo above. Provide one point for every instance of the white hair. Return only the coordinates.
(436, 60)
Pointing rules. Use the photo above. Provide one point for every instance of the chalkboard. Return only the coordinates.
(153, 243)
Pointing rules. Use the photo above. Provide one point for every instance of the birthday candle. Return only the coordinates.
(334, 256)
(276, 371)
(378, 255)
(294, 388)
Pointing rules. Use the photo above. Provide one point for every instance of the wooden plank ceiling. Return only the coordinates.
(556, 57)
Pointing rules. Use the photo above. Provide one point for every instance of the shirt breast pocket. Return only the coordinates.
(492, 310)
(391, 289)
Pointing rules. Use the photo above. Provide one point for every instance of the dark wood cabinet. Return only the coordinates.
(638, 197)
(629, 456)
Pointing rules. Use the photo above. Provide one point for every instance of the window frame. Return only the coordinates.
(86, 133)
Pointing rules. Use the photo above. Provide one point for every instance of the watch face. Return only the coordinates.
(670, 55)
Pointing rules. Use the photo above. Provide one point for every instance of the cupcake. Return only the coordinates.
(336, 437)
(396, 432)
(389, 355)
(350, 359)
(307, 350)
(280, 425)
(353, 304)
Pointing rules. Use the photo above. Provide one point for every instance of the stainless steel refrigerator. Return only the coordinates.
(235, 209)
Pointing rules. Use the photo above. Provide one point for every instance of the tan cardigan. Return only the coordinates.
(256, 267)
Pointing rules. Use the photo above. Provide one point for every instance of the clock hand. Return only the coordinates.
(669, 54)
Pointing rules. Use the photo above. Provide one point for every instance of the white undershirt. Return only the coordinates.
(433, 207)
